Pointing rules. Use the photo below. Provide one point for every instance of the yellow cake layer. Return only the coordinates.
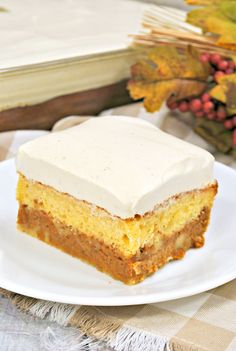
(125, 235)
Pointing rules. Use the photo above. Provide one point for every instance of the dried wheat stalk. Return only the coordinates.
(166, 25)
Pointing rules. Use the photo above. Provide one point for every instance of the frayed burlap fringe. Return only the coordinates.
(95, 330)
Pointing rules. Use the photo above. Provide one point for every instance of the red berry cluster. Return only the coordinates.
(219, 64)
(204, 105)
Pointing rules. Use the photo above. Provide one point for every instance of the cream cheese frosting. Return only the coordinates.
(125, 165)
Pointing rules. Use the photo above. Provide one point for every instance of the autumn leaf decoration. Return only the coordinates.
(190, 63)
(168, 72)
(218, 18)
(225, 91)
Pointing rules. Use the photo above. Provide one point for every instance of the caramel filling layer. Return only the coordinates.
(107, 258)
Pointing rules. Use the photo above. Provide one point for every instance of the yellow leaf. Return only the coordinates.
(167, 72)
(218, 18)
(225, 91)
(218, 93)
(155, 93)
(166, 62)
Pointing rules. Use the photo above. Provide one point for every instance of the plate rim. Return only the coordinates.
(117, 300)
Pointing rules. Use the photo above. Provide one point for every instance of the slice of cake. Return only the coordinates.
(116, 192)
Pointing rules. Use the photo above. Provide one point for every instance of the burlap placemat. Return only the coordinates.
(203, 322)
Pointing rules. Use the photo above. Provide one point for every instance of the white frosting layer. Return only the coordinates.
(122, 164)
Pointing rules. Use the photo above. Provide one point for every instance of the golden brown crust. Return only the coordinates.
(107, 259)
